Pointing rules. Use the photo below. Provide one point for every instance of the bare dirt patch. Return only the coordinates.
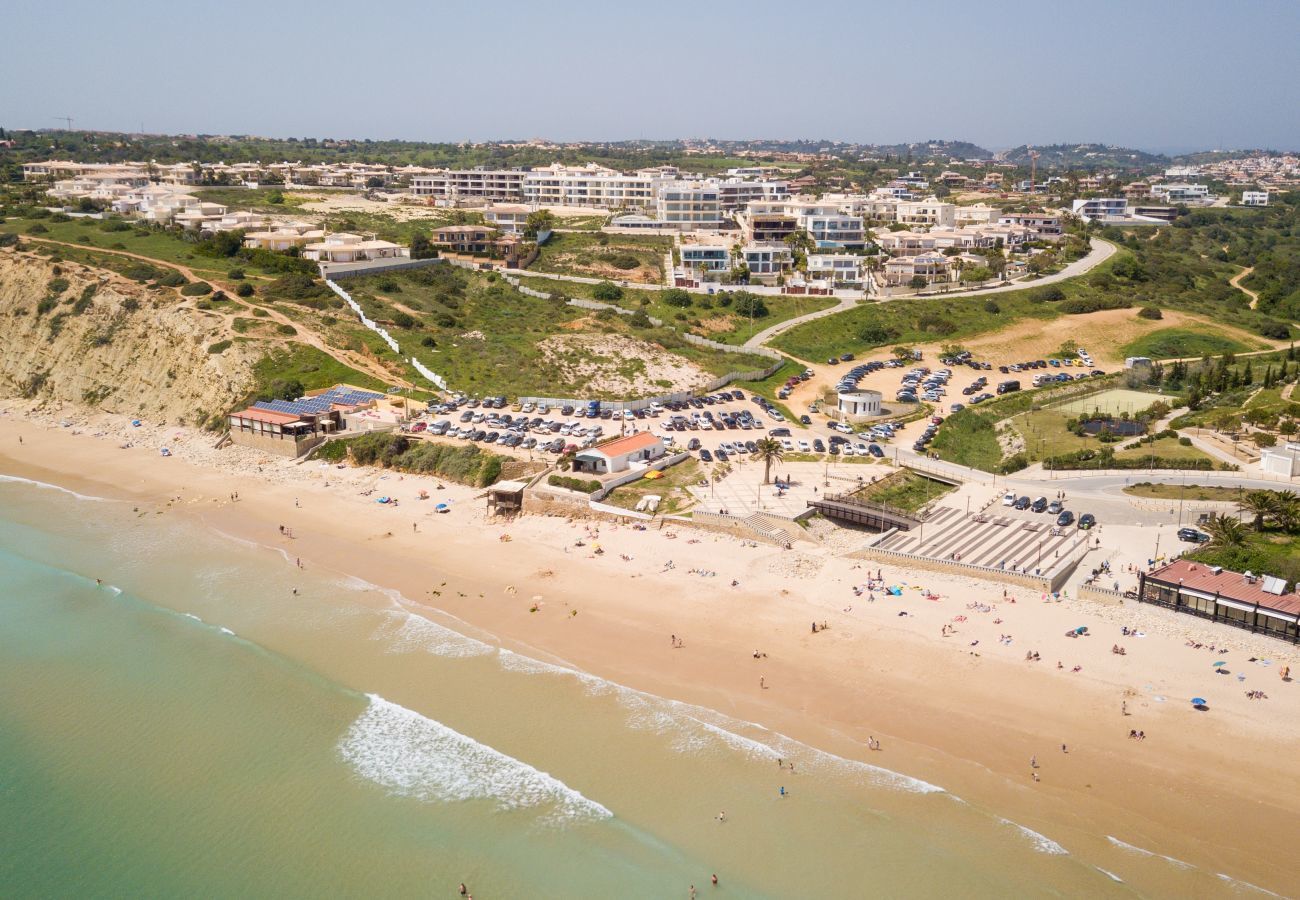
(618, 364)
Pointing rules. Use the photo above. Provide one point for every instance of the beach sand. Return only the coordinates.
(1217, 788)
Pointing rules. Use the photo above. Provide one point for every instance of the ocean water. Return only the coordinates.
(191, 726)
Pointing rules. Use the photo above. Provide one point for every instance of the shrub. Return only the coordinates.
(1047, 295)
(141, 272)
(38, 228)
(581, 485)
(639, 319)
(57, 286)
(46, 305)
(624, 261)
(1150, 312)
(84, 301)
(219, 347)
(403, 320)
(172, 278)
(286, 329)
(112, 225)
(991, 306)
(8, 240)
(607, 291)
(243, 289)
(676, 297)
(196, 289)
(236, 274)
(130, 304)
(1278, 331)
(428, 341)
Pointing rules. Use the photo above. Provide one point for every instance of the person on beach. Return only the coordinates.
(715, 880)
(463, 890)
(281, 529)
(722, 816)
(762, 683)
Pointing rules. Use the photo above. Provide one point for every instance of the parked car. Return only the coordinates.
(1065, 518)
(1039, 505)
(1191, 535)
(1008, 499)
(875, 451)
(706, 455)
(1022, 503)
(819, 445)
(1055, 507)
(1086, 521)
(693, 444)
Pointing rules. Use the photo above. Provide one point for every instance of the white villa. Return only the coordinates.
(350, 248)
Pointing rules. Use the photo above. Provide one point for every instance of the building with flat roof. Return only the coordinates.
(1257, 603)
(860, 404)
(1254, 198)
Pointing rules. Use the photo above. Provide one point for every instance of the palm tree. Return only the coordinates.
(1286, 510)
(1259, 504)
(769, 450)
(1225, 531)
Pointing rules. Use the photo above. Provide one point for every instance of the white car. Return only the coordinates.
(787, 444)
(1008, 499)
(846, 450)
(842, 428)
(805, 447)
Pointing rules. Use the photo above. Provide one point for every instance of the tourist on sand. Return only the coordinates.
(722, 816)
(715, 879)
(463, 890)
(1033, 762)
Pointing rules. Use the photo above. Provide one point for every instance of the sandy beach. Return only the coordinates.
(938, 676)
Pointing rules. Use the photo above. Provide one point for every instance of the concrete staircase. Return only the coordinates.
(772, 528)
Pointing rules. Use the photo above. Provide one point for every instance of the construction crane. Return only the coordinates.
(67, 119)
(1033, 168)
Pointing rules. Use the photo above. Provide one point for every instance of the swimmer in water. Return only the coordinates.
(99, 582)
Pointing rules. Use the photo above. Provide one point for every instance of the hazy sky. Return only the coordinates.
(1156, 74)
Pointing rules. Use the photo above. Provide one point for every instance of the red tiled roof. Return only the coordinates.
(628, 444)
(1198, 576)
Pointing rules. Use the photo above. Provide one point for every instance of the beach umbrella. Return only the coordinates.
(441, 507)
(1198, 701)
(1219, 664)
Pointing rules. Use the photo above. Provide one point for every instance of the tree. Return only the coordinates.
(422, 247)
(538, 220)
(1286, 509)
(275, 197)
(902, 353)
(608, 291)
(1150, 312)
(769, 450)
(1259, 504)
(917, 282)
(1225, 531)
(976, 274)
(676, 297)
(750, 305)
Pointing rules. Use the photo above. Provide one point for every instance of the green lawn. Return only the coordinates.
(310, 366)
(1183, 492)
(1166, 447)
(159, 245)
(905, 490)
(618, 257)
(257, 200)
(1178, 343)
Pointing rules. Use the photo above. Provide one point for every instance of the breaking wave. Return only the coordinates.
(1042, 843)
(53, 487)
(1141, 852)
(414, 756)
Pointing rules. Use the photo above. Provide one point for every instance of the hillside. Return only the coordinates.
(75, 334)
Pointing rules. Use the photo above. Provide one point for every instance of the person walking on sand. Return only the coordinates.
(463, 890)
(692, 892)
(762, 683)
(1033, 762)
(715, 880)
(722, 816)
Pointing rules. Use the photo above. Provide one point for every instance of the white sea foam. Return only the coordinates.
(53, 487)
(407, 632)
(1141, 852)
(224, 630)
(1042, 843)
(192, 616)
(1111, 875)
(414, 756)
(1237, 882)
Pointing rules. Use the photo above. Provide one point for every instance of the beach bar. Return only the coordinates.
(293, 427)
(1257, 603)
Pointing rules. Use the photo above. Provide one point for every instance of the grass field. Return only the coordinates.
(618, 257)
(1166, 448)
(706, 316)
(1114, 402)
(485, 337)
(1184, 492)
(1179, 343)
(312, 367)
(157, 245)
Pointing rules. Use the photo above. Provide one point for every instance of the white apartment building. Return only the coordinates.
(932, 267)
(1254, 198)
(456, 185)
(931, 213)
(736, 193)
(589, 185)
(689, 205)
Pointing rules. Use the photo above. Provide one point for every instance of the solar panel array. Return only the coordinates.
(313, 406)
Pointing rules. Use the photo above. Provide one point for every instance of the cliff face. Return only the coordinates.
(120, 347)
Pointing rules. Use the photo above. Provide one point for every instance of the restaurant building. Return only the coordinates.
(1257, 603)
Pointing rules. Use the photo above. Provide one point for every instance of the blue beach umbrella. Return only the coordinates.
(1219, 663)
(1198, 701)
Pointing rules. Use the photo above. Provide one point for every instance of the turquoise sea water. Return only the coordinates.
(193, 727)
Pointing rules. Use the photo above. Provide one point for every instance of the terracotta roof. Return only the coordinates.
(1198, 576)
(627, 444)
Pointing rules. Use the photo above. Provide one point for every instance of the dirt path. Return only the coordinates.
(304, 334)
(1235, 281)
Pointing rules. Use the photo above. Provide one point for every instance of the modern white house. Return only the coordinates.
(1181, 193)
(837, 268)
(283, 236)
(767, 259)
(1284, 460)
(350, 248)
(1254, 198)
(1100, 208)
(508, 218)
(932, 267)
(705, 257)
(1045, 225)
